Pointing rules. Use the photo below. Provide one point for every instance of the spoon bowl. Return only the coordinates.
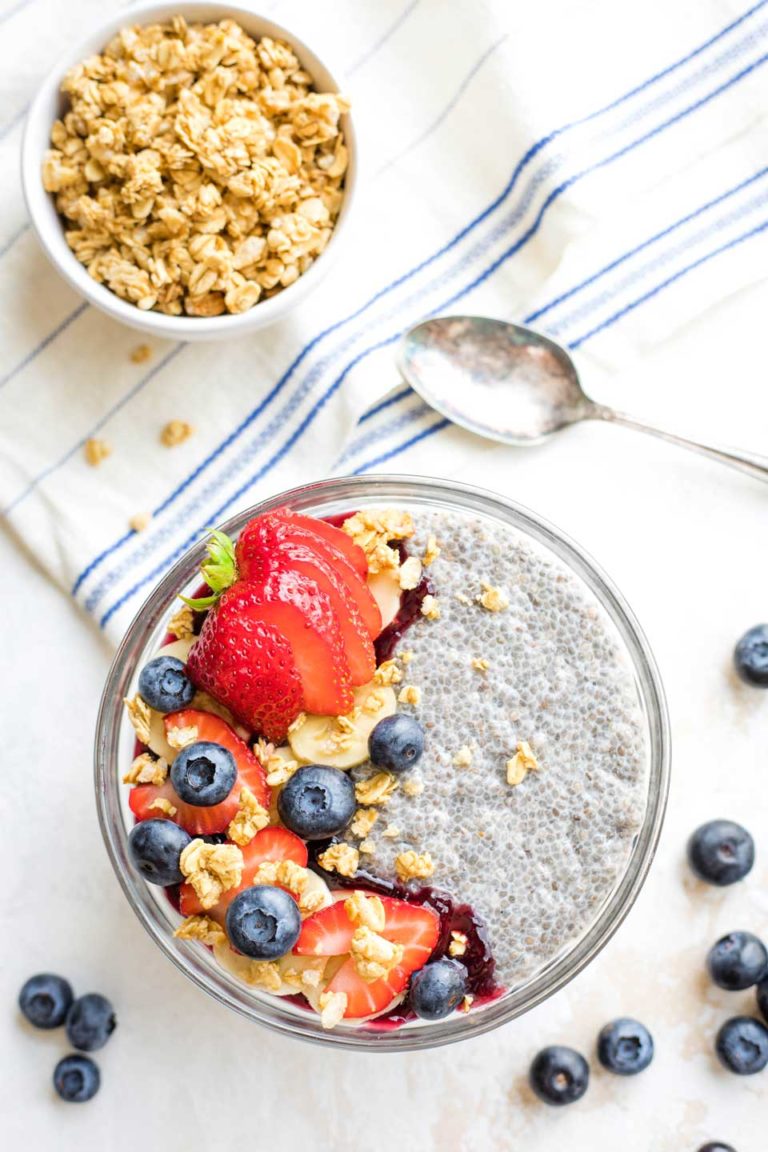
(508, 383)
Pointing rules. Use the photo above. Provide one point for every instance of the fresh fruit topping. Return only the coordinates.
(267, 545)
(326, 933)
(364, 998)
(385, 588)
(45, 1000)
(247, 663)
(76, 1079)
(90, 1022)
(716, 1146)
(164, 684)
(204, 773)
(271, 844)
(342, 742)
(559, 1075)
(742, 1045)
(437, 989)
(762, 998)
(317, 802)
(737, 961)
(263, 922)
(750, 656)
(721, 852)
(331, 536)
(148, 801)
(625, 1047)
(330, 931)
(155, 847)
(396, 743)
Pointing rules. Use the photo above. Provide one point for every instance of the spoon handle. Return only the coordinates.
(749, 462)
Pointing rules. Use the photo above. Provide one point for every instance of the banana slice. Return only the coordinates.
(178, 648)
(323, 740)
(385, 588)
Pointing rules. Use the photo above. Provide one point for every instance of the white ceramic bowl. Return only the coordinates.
(48, 105)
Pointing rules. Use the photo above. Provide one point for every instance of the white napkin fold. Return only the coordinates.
(596, 171)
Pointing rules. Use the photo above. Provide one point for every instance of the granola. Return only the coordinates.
(373, 956)
(175, 432)
(196, 169)
(96, 450)
(162, 804)
(179, 738)
(251, 817)
(146, 770)
(410, 694)
(412, 865)
(211, 869)
(298, 881)
(410, 573)
(141, 353)
(140, 521)
(491, 598)
(332, 1006)
(373, 530)
(480, 664)
(201, 928)
(521, 764)
(182, 623)
(140, 716)
(365, 910)
(364, 819)
(458, 944)
(376, 789)
(341, 858)
(463, 757)
(430, 608)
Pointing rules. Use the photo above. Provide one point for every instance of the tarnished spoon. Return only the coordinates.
(508, 383)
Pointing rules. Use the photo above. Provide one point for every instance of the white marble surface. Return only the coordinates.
(687, 542)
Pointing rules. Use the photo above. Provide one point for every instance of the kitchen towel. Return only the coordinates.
(598, 170)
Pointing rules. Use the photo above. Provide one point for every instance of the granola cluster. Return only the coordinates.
(197, 171)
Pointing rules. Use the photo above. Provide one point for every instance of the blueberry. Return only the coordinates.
(721, 852)
(155, 847)
(559, 1075)
(45, 1000)
(762, 998)
(76, 1079)
(716, 1146)
(263, 922)
(90, 1022)
(625, 1047)
(751, 656)
(317, 802)
(204, 773)
(164, 684)
(396, 742)
(737, 961)
(742, 1045)
(437, 989)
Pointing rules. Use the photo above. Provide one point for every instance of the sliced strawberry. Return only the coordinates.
(363, 998)
(278, 530)
(295, 605)
(414, 926)
(267, 545)
(196, 819)
(273, 843)
(328, 932)
(333, 537)
(245, 662)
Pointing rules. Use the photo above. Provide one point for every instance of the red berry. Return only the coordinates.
(272, 843)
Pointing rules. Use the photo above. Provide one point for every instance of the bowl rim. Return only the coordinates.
(48, 226)
(565, 965)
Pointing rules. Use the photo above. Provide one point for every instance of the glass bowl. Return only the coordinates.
(114, 751)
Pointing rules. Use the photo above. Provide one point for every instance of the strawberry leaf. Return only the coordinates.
(219, 570)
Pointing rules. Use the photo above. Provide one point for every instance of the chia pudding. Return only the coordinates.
(389, 765)
(535, 861)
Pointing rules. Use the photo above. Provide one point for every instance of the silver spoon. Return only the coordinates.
(509, 383)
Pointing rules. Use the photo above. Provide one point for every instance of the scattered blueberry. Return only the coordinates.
(317, 802)
(721, 852)
(45, 1000)
(164, 684)
(558, 1075)
(155, 847)
(742, 1045)
(204, 773)
(396, 742)
(263, 922)
(625, 1047)
(751, 656)
(737, 961)
(437, 989)
(716, 1146)
(76, 1079)
(90, 1022)
(762, 998)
